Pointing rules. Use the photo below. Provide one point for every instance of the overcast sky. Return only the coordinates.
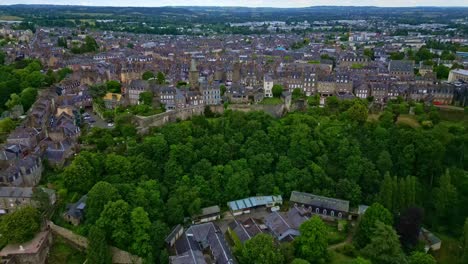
(249, 3)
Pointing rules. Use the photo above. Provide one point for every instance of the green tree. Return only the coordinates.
(113, 86)
(7, 125)
(148, 75)
(312, 244)
(114, 220)
(19, 226)
(297, 93)
(90, 45)
(369, 53)
(384, 246)
(464, 243)
(442, 71)
(397, 55)
(445, 199)
(146, 98)
(421, 258)
(384, 162)
(98, 197)
(41, 199)
(375, 213)
(300, 261)
(98, 250)
(360, 260)
(2, 57)
(141, 226)
(389, 192)
(349, 190)
(358, 112)
(288, 251)
(277, 90)
(161, 78)
(62, 42)
(81, 175)
(13, 101)
(35, 79)
(28, 97)
(222, 89)
(261, 249)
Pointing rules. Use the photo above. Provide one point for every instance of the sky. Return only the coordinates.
(248, 3)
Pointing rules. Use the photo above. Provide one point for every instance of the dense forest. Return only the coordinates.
(140, 186)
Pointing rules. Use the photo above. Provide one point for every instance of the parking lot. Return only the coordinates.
(94, 120)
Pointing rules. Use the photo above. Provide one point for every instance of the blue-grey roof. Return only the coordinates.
(254, 202)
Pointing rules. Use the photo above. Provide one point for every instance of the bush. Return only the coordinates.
(348, 250)
(427, 124)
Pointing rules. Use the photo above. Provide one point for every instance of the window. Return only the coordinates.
(324, 211)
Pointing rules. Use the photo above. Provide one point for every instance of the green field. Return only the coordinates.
(10, 18)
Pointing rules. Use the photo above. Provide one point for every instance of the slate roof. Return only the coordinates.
(76, 210)
(189, 257)
(16, 192)
(247, 229)
(401, 66)
(319, 201)
(285, 224)
(204, 237)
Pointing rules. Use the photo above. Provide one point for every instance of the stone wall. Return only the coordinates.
(81, 243)
(143, 123)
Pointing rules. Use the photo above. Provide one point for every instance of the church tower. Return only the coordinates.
(193, 75)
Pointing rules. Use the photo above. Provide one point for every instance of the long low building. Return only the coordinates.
(320, 204)
(208, 214)
(458, 74)
(244, 206)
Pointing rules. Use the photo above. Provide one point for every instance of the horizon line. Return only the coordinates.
(228, 6)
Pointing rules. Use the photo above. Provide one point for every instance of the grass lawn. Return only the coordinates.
(271, 101)
(449, 251)
(61, 252)
(373, 117)
(334, 236)
(409, 120)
